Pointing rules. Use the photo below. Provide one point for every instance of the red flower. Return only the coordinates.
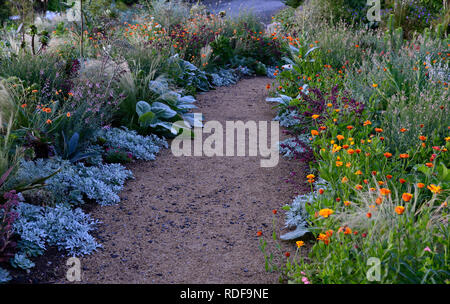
(259, 233)
(274, 211)
(287, 254)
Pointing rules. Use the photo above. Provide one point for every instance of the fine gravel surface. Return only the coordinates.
(194, 219)
(264, 9)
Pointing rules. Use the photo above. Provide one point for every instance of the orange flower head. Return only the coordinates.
(326, 212)
(404, 155)
(407, 196)
(399, 210)
(420, 185)
(385, 191)
(314, 132)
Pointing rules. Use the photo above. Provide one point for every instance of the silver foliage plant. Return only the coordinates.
(290, 148)
(142, 147)
(4, 276)
(297, 216)
(68, 229)
(74, 183)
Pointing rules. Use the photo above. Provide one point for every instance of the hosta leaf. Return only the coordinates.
(162, 110)
(142, 107)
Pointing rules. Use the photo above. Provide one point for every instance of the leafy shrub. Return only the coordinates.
(141, 147)
(4, 276)
(77, 183)
(56, 226)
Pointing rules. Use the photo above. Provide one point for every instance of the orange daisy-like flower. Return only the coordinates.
(339, 163)
(403, 130)
(314, 132)
(48, 121)
(407, 196)
(378, 130)
(385, 191)
(347, 203)
(420, 185)
(387, 154)
(315, 116)
(344, 180)
(326, 212)
(422, 138)
(300, 244)
(323, 237)
(259, 233)
(23, 106)
(429, 165)
(340, 137)
(367, 122)
(369, 215)
(268, 86)
(404, 155)
(379, 200)
(68, 114)
(359, 172)
(358, 187)
(349, 127)
(402, 180)
(388, 176)
(399, 210)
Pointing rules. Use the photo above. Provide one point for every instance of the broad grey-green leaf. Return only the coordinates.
(142, 107)
(162, 110)
(297, 233)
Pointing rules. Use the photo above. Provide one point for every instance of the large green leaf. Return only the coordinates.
(162, 110)
(143, 107)
(147, 119)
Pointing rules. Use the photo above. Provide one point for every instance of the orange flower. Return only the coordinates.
(349, 127)
(259, 233)
(385, 191)
(379, 200)
(407, 196)
(34, 91)
(367, 122)
(358, 187)
(369, 215)
(310, 176)
(344, 180)
(300, 244)
(340, 137)
(420, 185)
(323, 237)
(399, 210)
(378, 130)
(422, 138)
(68, 114)
(315, 116)
(339, 163)
(48, 121)
(388, 176)
(429, 165)
(326, 212)
(404, 155)
(402, 180)
(268, 86)
(347, 203)
(314, 132)
(23, 106)
(321, 191)
(387, 154)
(359, 172)
(403, 130)
(374, 85)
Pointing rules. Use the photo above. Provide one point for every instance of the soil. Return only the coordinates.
(194, 219)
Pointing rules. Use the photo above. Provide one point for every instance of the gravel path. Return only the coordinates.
(264, 9)
(194, 219)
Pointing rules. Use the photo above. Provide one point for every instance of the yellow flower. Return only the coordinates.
(435, 189)
(310, 176)
(315, 116)
(326, 212)
(329, 105)
(300, 244)
(358, 172)
(374, 85)
(339, 163)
